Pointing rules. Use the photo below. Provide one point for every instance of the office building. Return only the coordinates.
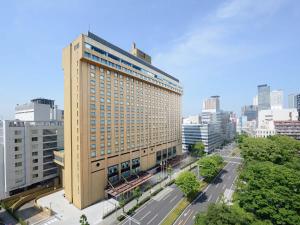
(250, 112)
(211, 104)
(216, 127)
(122, 116)
(195, 119)
(263, 97)
(276, 98)
(292, 101)
(298, 106)
(26, 154)
(206, 133)
(255, 100)
(39, 109)
(266, 120)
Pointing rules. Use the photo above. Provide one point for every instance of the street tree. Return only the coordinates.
(198, 149)
(137, 193)
(210, 166)
(122, 203)
(188, 183)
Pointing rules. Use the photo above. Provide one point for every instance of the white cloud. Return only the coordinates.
(215, 41)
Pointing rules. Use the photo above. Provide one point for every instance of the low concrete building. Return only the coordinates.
(288, 128)
(266, 120)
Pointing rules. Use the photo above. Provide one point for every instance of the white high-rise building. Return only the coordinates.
(292, 101)
(255, 100)
(276, 97)
(195, 119)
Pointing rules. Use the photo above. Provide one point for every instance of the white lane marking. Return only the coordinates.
(153, 218)
(217, 185)
(145, 215)
(164, 198)
(173, 199)
(209, 198)
(199, 196)
(144, 206)
(186, 212)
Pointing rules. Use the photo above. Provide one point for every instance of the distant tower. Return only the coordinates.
(263, 97)
(211, 104)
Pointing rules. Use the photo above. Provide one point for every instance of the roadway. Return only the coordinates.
(156, 209)
(214, 191)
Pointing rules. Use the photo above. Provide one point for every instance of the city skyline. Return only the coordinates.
(210, 43)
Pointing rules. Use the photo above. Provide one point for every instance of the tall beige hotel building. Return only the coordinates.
(122, 118)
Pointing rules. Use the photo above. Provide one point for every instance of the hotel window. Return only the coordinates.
(102, 152)
(93, 154)
(93, 98)
(93, 138)
(35, 153)
(92, 75)
(93, 114)
(93, 146)
(93, 106)
(35, 160)
(93, 82)
(93, 130)
(101, 107)
(93, 91)
(35, 175)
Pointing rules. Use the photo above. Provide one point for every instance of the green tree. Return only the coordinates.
(198, 149)
(270, 192)
(122, 203)
(223, 214)
(83, 220)
(137, 193)
(188, 183)
(210, 166)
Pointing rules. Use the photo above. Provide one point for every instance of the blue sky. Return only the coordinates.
(214, 47)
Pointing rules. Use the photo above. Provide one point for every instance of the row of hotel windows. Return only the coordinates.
(96, 58)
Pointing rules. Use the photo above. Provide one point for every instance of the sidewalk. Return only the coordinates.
(112, 219)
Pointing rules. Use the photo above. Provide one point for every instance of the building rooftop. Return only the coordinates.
(114, 47)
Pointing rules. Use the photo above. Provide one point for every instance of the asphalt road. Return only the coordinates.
(156, 209)
(211, 194)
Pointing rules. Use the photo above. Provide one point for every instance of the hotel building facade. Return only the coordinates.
(122, 117)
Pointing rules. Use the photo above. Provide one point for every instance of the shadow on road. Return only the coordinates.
(219, 178)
